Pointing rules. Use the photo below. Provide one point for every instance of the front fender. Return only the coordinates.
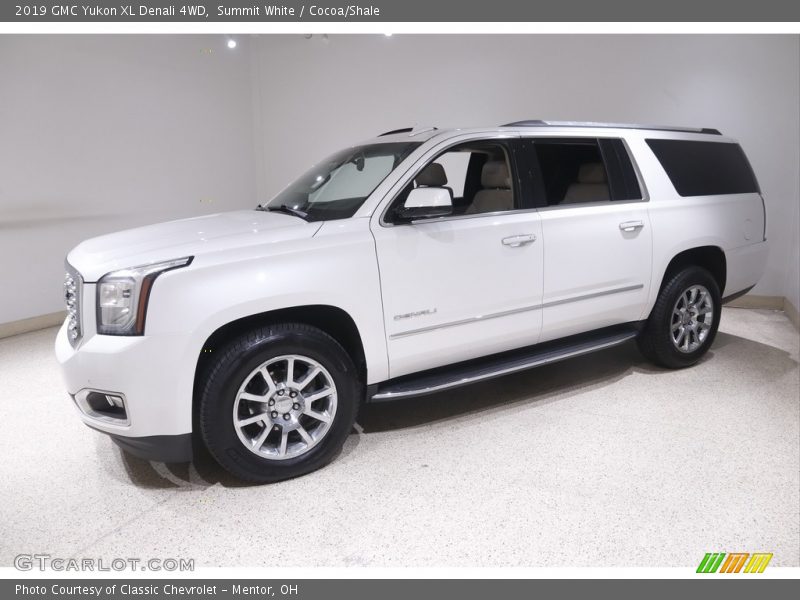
(338, 269)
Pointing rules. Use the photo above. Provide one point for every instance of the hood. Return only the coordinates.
(186, 237)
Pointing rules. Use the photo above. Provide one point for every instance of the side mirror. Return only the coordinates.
(426, 203)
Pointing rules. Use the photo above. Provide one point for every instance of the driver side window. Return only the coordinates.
(476, 174)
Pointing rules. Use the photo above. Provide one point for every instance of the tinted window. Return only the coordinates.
(572, 171)
(621, 176)
(565, 171)
(705, 168)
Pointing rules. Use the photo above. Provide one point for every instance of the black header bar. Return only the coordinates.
(369, 589)
(387, 11)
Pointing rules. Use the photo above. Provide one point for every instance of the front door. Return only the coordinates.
(467, 285)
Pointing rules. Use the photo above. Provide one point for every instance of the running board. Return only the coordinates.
(497, 365)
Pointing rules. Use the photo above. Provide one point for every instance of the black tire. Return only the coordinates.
(231, 367)
(655, 340)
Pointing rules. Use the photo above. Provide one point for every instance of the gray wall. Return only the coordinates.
(792, 285)
(101, 133)
(314, 95)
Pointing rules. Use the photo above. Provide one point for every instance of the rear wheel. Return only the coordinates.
(279, 402)
(684, 320)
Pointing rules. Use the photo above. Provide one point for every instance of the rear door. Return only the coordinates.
(595, 231)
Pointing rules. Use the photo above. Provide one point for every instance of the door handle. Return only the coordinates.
(519, 240)
(631, 225)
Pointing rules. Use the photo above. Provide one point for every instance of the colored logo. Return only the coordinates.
(734, 562)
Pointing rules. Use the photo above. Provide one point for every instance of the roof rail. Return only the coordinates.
(411, 131)
(393, 131)
(542, 123)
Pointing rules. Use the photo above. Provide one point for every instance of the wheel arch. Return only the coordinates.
(711, 258)
(333, 320)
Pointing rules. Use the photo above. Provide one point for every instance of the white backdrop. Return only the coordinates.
(99, 133)
(314, 95)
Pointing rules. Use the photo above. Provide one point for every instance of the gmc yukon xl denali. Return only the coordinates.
(417, 261)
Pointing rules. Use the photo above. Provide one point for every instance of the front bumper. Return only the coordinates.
(154, 375)
(159, 448)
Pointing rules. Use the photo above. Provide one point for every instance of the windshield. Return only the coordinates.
(338, 186)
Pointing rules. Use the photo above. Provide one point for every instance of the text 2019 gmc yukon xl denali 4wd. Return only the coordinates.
(417, 261)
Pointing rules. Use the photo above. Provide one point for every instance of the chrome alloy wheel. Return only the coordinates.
(692, 318)
(285, 407)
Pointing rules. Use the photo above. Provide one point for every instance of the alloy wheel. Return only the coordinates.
(692, 319)
(285, 407)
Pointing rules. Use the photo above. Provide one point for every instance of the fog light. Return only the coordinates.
(104, 406)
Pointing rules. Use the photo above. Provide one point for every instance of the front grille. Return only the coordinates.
(73, 290)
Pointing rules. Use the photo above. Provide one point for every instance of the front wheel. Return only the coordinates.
(278, 402)
(684, 320)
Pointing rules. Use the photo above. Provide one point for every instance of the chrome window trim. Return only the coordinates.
(496, 213)
(593, 204)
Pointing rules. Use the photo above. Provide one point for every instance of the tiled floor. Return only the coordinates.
(601, 460)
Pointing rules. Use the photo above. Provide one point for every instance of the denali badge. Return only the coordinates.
(418, 313)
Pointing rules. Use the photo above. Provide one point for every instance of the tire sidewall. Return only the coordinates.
(219, 396)
(671, 293)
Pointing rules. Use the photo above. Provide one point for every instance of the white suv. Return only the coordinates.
(420, 260)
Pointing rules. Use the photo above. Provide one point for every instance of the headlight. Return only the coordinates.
(122, 297)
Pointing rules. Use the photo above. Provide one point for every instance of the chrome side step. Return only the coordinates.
(497, 365)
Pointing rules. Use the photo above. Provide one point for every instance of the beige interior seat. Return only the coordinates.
(591, 186)
(496, 194)
(432, 175)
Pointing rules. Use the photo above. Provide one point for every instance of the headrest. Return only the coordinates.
(432, 176)
(591, 173)
(495, 175)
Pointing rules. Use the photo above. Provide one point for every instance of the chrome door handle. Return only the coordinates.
(519, 240)
(631, 225)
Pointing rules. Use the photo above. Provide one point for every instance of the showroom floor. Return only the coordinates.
(603, 460)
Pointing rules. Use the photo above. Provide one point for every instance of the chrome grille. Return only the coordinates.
(73, 288)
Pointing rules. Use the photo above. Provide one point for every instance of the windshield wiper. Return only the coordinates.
(285, 208)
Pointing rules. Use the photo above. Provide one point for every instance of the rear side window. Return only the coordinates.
(572, 171)
(582, 170)
(705, 168)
